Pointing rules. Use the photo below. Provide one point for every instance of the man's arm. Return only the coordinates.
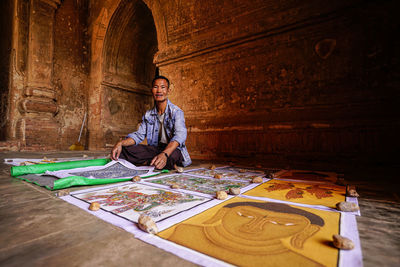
(131, 139)
(116, 151)
(180, 131)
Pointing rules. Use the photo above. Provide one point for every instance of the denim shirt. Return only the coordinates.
(175, 128)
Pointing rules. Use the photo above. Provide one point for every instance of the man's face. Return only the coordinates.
(160, 90)
(257, 224)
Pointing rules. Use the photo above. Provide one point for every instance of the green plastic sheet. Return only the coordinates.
(53, 183)
(80, 180)
(42, 168)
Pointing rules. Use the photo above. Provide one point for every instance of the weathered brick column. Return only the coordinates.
(37, 105)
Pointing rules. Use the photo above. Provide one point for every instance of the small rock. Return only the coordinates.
(175, 186)
(351, 191)
(213, 167)
(221, 195)
(218, 176)
(234, 191)
(242, 170)
(136, 179)
(94, 206)
(257, 179)
(85, 156)
(179, 169)
(347, 206)
(342, 242)
(147, 224)
(62, 192)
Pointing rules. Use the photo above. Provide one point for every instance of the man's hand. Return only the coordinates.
(116, 151)
(159, 161)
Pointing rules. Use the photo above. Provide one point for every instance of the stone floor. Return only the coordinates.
(37, 228)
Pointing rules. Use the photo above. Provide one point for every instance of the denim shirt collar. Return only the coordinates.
(154, 112)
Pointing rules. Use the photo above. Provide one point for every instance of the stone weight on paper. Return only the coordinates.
(342, 242)
(234, 191)
(147, 224)
(347, 206)
(221, 195)
(95, 206)
(136, 179)
(218, 176)
(257, 179)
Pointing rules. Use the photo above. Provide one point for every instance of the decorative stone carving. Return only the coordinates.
(39, 91)
(324, 48)
(33, 105)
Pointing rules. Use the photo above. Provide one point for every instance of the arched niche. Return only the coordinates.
(129, 47)
(127, 68)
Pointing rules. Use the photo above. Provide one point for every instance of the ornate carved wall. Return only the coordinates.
(32, 104)
(286, 80)
(6, 21)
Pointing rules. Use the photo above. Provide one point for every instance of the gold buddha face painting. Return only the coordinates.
(254, 221)
(252, 233)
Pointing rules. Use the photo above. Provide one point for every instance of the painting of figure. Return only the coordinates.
(253, 233)
(130, 201)
(230, 173)
(199, 184)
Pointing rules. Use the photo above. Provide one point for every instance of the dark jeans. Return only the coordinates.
(143, 155)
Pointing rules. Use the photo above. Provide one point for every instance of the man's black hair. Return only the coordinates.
(160, 77)
(280, 207)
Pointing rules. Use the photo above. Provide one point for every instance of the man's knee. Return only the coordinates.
(175, 158)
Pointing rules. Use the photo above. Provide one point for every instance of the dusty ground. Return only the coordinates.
(37, 228)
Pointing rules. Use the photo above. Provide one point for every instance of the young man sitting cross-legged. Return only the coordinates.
(165, 130)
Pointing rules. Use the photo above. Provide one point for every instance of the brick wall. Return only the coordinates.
(306, 80)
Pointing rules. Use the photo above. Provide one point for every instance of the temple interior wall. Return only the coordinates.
(287, 80)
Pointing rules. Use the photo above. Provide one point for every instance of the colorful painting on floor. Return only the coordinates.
(129, 201)
(312, 176)
(306, 193)
(248, 232)
(198, 184)
(230, 173)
